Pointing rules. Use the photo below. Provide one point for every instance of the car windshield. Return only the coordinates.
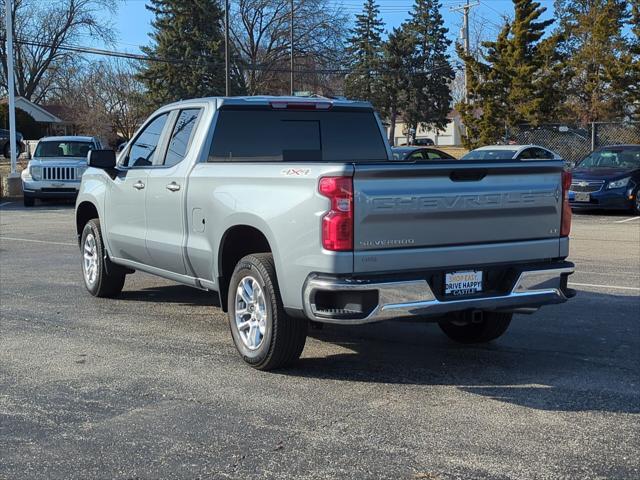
(490, 155)
(612, 158)
(63, 148)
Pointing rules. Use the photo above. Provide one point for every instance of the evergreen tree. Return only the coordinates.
(365, 55)
(187, 33)
(429, 91)
(632, 62)
(598, 59)
(396, 71)
(515, 81)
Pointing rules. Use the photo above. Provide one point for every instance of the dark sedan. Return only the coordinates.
(419, 153)
(607, 178)
(5, 146)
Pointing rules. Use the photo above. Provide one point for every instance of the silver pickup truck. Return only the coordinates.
(293, 210)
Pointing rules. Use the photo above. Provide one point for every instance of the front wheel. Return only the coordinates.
(265, 336)
(490, 326)
(636, 203)
(101, 277)
(29, 201)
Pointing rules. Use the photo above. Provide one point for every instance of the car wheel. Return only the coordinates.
(101, 277)
(636, 203)
(29, 201)
(489, 327)
(265, 336)
(7, 150)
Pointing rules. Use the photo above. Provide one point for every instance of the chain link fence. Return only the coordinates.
(573, 142)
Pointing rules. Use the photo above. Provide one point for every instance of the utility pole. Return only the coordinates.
(291, 40)
(226, 48)
(13, 182)
(11, 87)
(465, 34)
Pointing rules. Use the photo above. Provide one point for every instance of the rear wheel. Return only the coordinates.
(101, 277)
(265, 336)
(636, 203)
(29, 201)
(466, 329)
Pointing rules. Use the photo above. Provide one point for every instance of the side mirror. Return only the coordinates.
(101, 159)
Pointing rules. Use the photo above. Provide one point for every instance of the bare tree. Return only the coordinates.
(260, 30)
(41, 27)
(104, 99)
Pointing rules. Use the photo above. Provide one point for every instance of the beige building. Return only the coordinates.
(451, 135)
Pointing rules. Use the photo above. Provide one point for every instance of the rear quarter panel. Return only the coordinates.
(279, 199)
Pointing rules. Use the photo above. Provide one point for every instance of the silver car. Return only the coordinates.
(57, 167)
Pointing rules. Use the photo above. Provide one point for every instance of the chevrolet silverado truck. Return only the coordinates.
(293, 210)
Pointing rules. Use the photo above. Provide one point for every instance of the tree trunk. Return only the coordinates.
(392, 126)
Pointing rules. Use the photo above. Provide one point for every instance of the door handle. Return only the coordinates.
(173, 186)
(138, 185)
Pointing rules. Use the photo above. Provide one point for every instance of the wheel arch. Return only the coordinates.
(237, 242)
(85, 211)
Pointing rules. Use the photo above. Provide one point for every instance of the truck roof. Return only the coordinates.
(68, 138)
(268, 99)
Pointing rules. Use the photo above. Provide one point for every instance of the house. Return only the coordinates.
(50, 119)
(451, 135)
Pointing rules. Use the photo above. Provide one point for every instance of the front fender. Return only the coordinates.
(93, 189)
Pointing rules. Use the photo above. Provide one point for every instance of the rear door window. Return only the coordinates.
(181, 136)
(282, 136)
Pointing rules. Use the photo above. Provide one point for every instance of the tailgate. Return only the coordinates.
(454, 206)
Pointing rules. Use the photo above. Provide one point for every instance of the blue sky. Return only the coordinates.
(133, 21)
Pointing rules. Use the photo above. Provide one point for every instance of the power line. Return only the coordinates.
(183, 61)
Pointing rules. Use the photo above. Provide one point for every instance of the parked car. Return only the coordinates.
(511, 152)
(56, 167)
(244, 197)
(5, 144)
(423, 142)
(419, 153)
(608, 178)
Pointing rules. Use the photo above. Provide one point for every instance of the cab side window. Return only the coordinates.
(181, 136)
(526, 154)
(145, 145)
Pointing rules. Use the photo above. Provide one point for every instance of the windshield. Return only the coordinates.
(613, 158)
(489, 155)
(63, 149)
(281, 136)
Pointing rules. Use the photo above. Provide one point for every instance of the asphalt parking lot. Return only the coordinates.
(150, 386)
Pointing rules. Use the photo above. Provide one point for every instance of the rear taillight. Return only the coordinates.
(565, 226)
(337, 223)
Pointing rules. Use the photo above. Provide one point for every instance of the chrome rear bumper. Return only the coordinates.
(396, 299)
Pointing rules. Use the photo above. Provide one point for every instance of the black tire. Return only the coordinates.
(284, 337)
(491, 326)
(29, 201)
(7, 150)
(109, 278)
(636, 202)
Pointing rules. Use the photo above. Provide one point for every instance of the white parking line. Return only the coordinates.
(5, 203)
(612, 287)
(37, 241)
(627, 220)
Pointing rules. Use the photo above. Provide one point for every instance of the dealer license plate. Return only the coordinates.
(582, 197)
(463, 283)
